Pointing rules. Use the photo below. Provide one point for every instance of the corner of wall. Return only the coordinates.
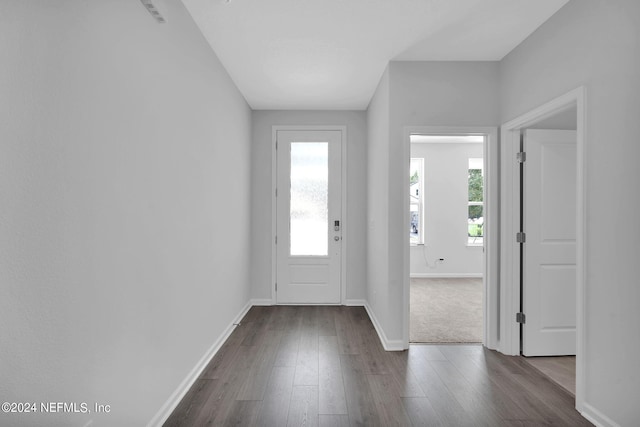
(172, 402)
(389, 345)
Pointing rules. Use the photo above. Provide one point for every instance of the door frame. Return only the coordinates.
(274, 208)
(491, 250)
(510, 221)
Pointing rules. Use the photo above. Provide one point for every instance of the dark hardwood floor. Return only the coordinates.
(324, 366)
(561, 369)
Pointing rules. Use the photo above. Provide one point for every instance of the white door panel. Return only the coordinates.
(549, 257)
(309, 224)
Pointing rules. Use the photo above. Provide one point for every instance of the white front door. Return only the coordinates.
(549, 257)
(308, 219)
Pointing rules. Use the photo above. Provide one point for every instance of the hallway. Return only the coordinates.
(324, 365)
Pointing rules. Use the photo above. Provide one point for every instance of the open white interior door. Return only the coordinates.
(309, 223)
(549, 257)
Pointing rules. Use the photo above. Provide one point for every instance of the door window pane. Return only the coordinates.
(309, 213)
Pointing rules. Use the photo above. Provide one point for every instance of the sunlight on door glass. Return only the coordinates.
(309, 213)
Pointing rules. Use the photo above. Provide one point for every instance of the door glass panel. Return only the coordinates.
(309, 213)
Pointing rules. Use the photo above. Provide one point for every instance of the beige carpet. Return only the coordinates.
(446, 310)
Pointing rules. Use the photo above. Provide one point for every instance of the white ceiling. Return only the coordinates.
(330, 54)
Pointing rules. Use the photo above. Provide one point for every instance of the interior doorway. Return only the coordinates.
(556, 320)
(446, 234)
(451, 288)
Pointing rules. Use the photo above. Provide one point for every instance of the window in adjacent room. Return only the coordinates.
(475, 219)
(416, 205)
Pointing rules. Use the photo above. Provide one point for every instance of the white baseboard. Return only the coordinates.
(348, 302)
(170, 405)
(175, 398)
(389, 345)
(262, 301)
(445, 275)
(596, 417)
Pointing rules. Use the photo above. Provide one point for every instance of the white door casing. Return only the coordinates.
(510, 337)
(549, 253)
(308, 216)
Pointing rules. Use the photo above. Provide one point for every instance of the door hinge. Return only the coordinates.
(276, 144)
(520, 318)
(276, 192)
(521, 237)
(521, 156)
(276, 238)
(276, 286)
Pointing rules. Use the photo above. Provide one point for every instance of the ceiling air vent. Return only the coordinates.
(153, 10)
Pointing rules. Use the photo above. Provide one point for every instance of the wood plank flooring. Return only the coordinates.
(325, 366)
(561, 369)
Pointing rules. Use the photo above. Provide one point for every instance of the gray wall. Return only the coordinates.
(446, 190)
(124, 222)
(417, 94)
(377, 203)
(261, 195)
(595, 44)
